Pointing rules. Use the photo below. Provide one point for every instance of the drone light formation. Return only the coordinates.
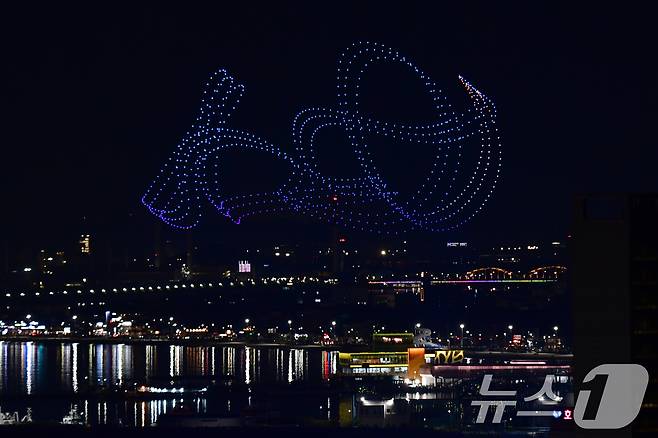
(456, 188)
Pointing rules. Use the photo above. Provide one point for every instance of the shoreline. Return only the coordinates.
(199, 342)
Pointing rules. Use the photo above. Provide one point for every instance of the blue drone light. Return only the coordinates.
(442, 202)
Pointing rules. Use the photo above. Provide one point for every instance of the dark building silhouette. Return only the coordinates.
(615, 288)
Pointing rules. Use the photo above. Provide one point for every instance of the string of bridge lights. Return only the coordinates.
(455, 189)
(265, 281)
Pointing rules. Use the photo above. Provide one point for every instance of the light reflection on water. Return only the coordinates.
(39, 367)
(138, 413)
(31, 371)
(68, 368)
(20, 362)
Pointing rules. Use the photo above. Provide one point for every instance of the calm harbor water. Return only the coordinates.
(258, 385)
(37, 368)
(51, 377)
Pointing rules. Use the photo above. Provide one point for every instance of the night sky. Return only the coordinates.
(96, 98)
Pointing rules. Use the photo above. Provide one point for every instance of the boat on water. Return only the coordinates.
(13, 418)
(73, 417)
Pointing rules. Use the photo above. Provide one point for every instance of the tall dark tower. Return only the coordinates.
(157, 245)
(337, 256)
(189, 250)
(615, 289)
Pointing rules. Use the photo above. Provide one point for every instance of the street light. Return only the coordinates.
(510, 327)
(461, 340)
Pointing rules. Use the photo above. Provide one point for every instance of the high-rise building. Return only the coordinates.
(85, 244)
(615, 288)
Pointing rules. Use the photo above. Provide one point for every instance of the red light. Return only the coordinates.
(334, 198)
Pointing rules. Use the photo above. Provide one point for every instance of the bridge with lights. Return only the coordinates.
(542, 274)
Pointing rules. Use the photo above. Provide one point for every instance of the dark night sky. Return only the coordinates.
(97, 97)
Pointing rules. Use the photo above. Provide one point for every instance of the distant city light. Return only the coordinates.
(244, 266)
(85, 244)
